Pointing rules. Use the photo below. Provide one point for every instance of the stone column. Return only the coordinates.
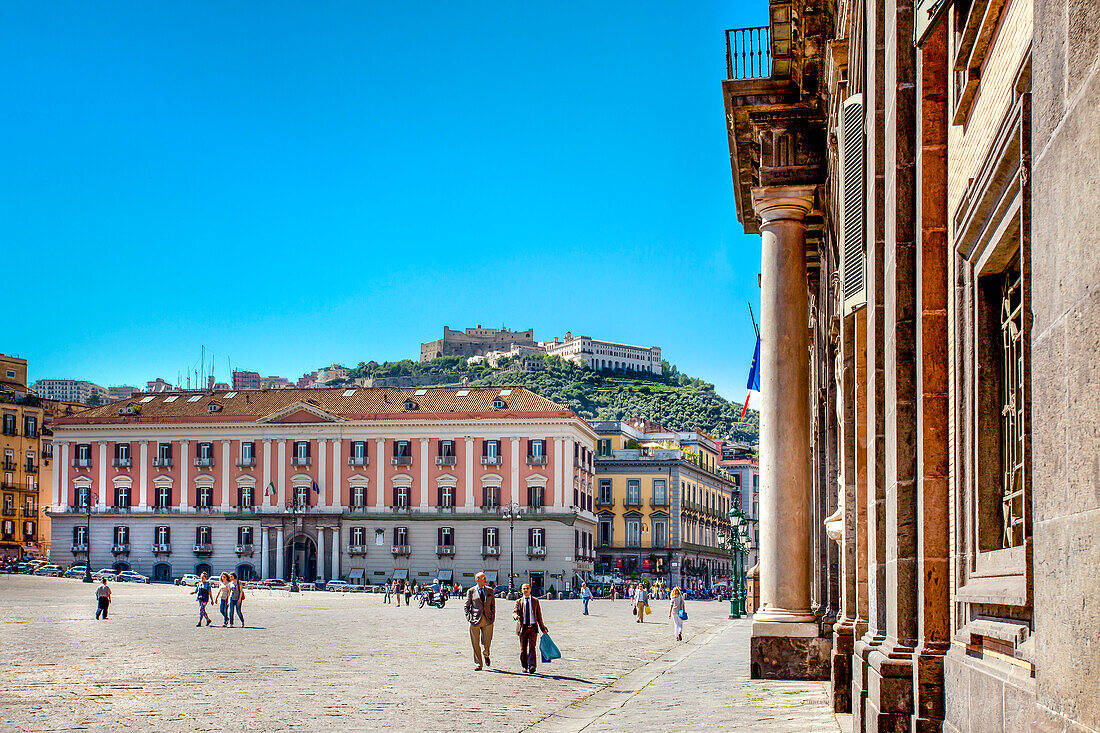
(226, 490)
(559, 467)
(424, 473)
(143, 474)
(322, 456)
(64, 471)
(279, 553)
(185, 489)
(267, 470)
(281, 488)
(785, 638)
(103, 475)
(335, 552)
(380, 459)
(264, 544)
(470, 458)
(335, 494)
(321, 553)
(515, 458)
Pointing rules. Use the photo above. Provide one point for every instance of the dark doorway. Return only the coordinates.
(120, 566)
(162, 572)
(246, 572)
(537, 584)
(301, 559)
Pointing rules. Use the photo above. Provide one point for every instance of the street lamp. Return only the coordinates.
(88, 539)
(511, 515)
(735, 545)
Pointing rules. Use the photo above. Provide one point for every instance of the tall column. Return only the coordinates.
(470, 458)
(281, 487)
(279, 553)
(559, 473)
(64, 471)
(335, 496)
(322, 481)
(515, 471)
(143, 474)
(267, 471)
(264, 545)
(336, 552)
(424, 472)
(380, 460)
(103, 474)
(225, 476)
(185, 489)
(321, 554)
(785, 637)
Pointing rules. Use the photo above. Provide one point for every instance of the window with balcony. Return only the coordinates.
(660, 492)
(446, 497)
(535, 496)
(244, 536)
(30, 466)
(80, 538)
(122, 455)
(490, 541)
(204, 497)
(490, 453)
(30, 426)
(9, 423)
(633, 492)
(122, 497)
(83, 497)
(490, 497)
(83, 456)
(401, 541)
(401, 497)
(204, 454)
(402, 453)
(9, 463)
(447, 456)
(446, 541)
(164, 455)
(162, 536)
(536, 451)
(633, 533)
(301, 496)
(245, 497)
(536, 542)
(359, 497)
(301, 455)
(358, 455)
(358, 536)
(122, 539)
(162, 498)
(248, 454)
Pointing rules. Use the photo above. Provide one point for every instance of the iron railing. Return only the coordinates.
(748, 53)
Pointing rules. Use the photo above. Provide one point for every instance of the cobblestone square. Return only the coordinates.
(332, 661)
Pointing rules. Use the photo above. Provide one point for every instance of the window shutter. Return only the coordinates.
(484, 448)
(307, 449)
(531, 537)
(853, 267)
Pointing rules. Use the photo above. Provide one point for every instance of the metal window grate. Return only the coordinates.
(1012, 409)
(748, 53)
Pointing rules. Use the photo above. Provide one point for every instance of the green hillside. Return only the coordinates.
(673, 399)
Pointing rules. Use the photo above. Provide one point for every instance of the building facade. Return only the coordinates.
(662, 504)
(923, 176)
(360, 484)
(245, 380)
(20, 427)
(69, 390)
(475, 341)
(606, 355)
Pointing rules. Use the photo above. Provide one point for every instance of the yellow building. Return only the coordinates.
(21, 419)
(662, 502)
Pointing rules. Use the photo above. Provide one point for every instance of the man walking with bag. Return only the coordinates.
(528, 616)
(641, 601)
(481, 612)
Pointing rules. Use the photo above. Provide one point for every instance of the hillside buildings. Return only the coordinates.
(70, 390)
(606, 355)
(361, 484)
(924, 179)
(661, 504)
(476, 341)
(121, 392)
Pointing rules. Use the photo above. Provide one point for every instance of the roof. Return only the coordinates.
(330, 404)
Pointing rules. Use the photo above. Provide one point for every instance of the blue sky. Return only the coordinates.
(296, 184)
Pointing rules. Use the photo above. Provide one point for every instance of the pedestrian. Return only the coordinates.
(103, 599)
(675, 608)
(222, 597)
(202, 593)
(397, 591)
(236, 595)
(612, 592)
(481, 613)
(528, 616)
(386, 598)
(586, 596)
(641, 601)
(408, 592)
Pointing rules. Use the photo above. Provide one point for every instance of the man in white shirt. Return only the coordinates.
(528, 615)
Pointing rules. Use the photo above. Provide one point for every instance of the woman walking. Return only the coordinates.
(236, 597)
(676, 612)
(223, 597)
(202, 593)
(586, 596)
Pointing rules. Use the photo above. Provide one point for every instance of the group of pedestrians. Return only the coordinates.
(229, 595)
(398, 588)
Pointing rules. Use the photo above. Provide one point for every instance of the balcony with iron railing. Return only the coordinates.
(204, 462)
(401, 550)
(536, 460)
(204, 548)
(442, 550)
(121, 548)
(162, 548)
(490, 550)
(358, 461)
(748, 53)
(491, 460)
(245, 549)
(248, 462)
(30, 468)
(536, 551)
(446, 460)
(121, 462)
(162, 462)
(357, 549)
(401, 461)
(301, 460)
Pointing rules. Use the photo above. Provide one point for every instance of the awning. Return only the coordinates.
(401, 574)
(491, 576)
(447, 575)
(355, 574)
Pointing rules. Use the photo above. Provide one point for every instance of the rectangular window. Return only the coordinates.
(660, 492)
(633, 533)
(401, 497)
(244, 535)
(301, 453)
(245, 497)
(358, 536)
(203, 535)
(447, 497)
(248, 454)
(534, 496)
(80, 536)
(83, 455)
(359, 453)
(162, 535)
(447, 536)
(30, 426)
(164, 455)
(605, 533)
(9, 424)
(446, 449)
(122, 536)
(83, 497)
(163, 497)
(400, 536)
(603, 446)
(660, 533)
(402, 449)
(633, 492)
(122, 497)
(489, 537)
(205, 498)
(358, 497)
(492, 448)
(204, 454)
(535, 448)
(301, 496)
(536, 538)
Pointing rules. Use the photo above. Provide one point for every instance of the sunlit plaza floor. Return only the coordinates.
(347, 661)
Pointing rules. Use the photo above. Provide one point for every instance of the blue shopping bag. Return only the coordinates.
(683, 615)
(548, 649)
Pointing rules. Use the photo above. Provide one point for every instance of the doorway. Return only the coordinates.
(246, 572)
(537, 583)
(162, 572)
(301, 559)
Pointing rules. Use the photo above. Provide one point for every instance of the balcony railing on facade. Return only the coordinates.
(121, 462)
(30, 468)
(301, 461)
(9, 465)
(748, 53)
(401, 461)
(82, 463)
(536, 460)
(162, 462)
(491, 460)
(605, 502)
(162, 548)
(358, 460)
(78, 547)
(121, 548)
(446, 460)
(246, 462)
(245, 549)
(204, 548)
(490, 550)
(401, 550)
(357, 549)
(536, 551)
(442, 550)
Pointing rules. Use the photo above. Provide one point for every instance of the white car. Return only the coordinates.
(188, 580)
(108, 573)
(52, 570)
(76, 571)
(335, 585)
(131, 576)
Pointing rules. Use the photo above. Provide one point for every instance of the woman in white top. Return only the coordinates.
(675, 608)
(222, 596)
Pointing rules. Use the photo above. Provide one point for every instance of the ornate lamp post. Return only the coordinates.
(88, 539)
(511, 515)
(735, 545)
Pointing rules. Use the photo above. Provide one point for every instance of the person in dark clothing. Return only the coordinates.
(103, 599)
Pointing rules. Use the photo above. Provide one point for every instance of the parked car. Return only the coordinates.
(22, 567)
(76, 571)
(275, 583)
(108, 573)
(188, 580)
(131, 576)
(51, 570)
(335, 585)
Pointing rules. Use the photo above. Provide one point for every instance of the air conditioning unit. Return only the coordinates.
(128, 410)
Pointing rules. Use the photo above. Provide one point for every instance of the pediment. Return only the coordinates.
(300, 412)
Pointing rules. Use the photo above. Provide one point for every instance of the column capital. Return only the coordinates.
(782, 203)
(184, 441)
(267, 441)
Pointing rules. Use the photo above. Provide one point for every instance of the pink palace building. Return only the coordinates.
(360, 484)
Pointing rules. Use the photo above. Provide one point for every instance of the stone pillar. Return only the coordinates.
(560, 470)
(335, 494)
(281, 487)
(64, 471)
(267, 471)
(785, 637)
(279, 553)
(381, 458)
(335, 552)
(185, 488)
(143, 474)
(226, 490)
(933, 505)
(469, 457)
(103, 475)
(424, 473)
(264, 545)
(322, 456)
(321, 551)
(844, 632)
(515, 459)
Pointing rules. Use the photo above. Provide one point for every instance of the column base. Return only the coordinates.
(889, 689)
(861, 650)
(843, 647)
(788, 651)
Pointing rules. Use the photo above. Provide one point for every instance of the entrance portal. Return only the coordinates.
(162, 572)
(536, 584)
(301, 559)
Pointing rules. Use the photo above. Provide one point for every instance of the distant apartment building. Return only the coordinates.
(323, 376)
(69, 390)
(475, 341)
(245, 380)
(518, 351)
(606, 355)
(274, 382)
(159, 385)
(122, 392)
